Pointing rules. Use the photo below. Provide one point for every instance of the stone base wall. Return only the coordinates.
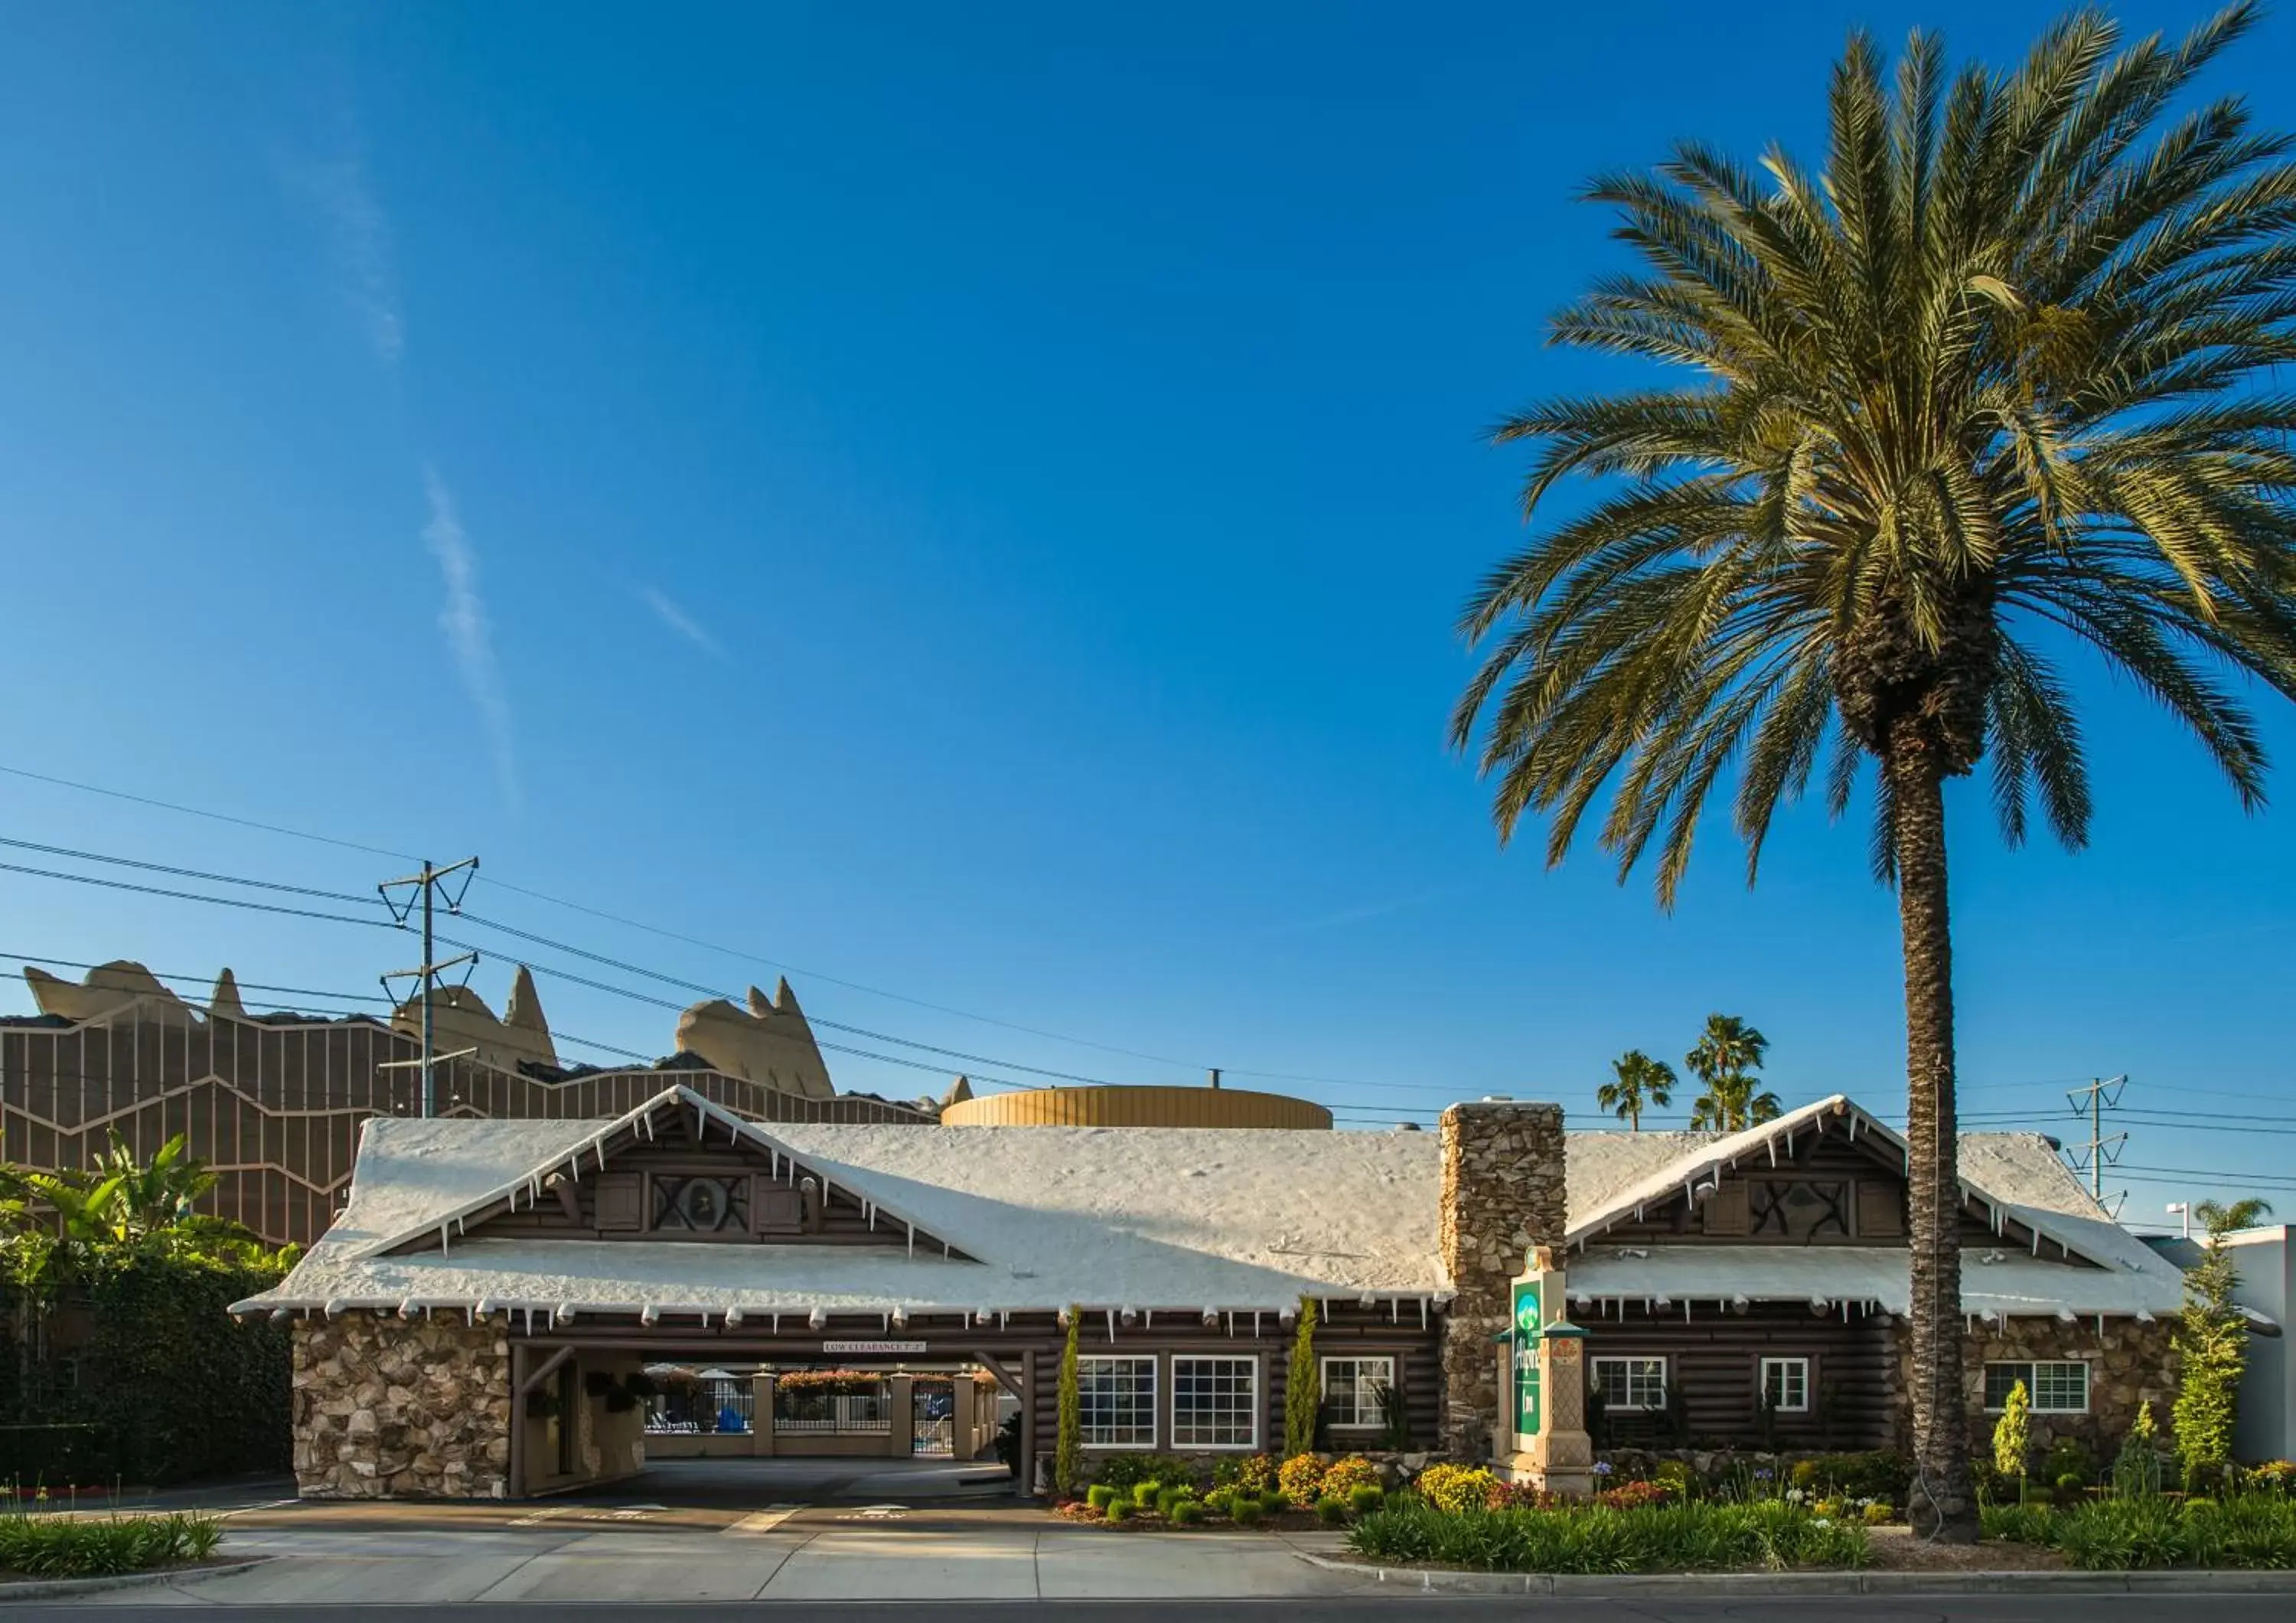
(391, 1408)
(2129, 1362)
(1502, 1193)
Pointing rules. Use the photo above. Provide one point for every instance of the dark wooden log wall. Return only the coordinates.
(1715, 1360)
(1870, 1165)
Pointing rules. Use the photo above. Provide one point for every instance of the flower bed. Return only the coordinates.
(2255, 1530)
(1600, 1539)
(71, 1546)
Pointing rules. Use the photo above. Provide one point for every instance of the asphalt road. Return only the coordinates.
(1974, 1608)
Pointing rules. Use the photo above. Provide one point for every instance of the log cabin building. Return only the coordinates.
(471, 1324)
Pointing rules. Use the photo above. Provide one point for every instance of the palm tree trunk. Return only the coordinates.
(1940, 1504)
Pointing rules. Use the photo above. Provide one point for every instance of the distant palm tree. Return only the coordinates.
(1642, 1083)
(1728, 1054)
(2219, 1218)
(1994, 386)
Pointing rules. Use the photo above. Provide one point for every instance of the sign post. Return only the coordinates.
(1552, 1449)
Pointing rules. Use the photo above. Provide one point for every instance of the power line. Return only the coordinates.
(185, 896)
(190, 873)
(220, 817)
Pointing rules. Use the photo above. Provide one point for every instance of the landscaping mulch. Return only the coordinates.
(1896, 1550)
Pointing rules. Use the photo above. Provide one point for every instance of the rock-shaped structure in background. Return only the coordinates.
(460, 1019)
(770, 1043)
(224, 1002)
(108, 989)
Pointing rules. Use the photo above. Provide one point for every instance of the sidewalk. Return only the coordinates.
(864, 1553)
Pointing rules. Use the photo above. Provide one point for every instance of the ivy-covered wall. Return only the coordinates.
(133, 1370)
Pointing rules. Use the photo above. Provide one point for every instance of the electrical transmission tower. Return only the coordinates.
(2101, 1150)
(401, 897)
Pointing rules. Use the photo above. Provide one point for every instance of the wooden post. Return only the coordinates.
(515, 1487)
(761, 1413)
(1024, 1474)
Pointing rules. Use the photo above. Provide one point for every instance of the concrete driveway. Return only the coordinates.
(575, 1550)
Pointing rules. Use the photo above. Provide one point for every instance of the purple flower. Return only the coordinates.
(1602, 1468)
(1761, 1476)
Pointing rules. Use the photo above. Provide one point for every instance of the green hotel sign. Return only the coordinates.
(1528, 1324)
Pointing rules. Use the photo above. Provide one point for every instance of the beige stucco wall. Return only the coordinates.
(607, 1445)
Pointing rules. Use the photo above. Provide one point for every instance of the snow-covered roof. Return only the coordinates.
(1162, 1219)
(1151, 1218)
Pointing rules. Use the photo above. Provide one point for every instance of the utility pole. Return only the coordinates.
(423, 890)
(2093, 1102)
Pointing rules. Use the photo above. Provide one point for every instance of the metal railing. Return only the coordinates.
(834, 1413)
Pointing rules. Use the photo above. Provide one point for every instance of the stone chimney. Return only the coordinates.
(1502, 1193)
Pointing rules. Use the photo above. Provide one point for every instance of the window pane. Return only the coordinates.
(1116, 1402)
(1352, 1389)
(2061, 1389)
(1215, 1403)
(1632, 1383)
(1999, 1378)
(1785, 1384)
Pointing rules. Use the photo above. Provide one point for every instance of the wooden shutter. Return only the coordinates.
(776, 1208)
(1726, 1210)
(619, 1201)
(1881, 1210)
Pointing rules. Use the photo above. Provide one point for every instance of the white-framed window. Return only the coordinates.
(2050, 1387)
(1631, 1383)
(1785, 1385)
(1352, 1389)
(1215, 1403)
(1116, 1403)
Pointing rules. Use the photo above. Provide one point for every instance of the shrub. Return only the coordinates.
(1676, 1475)
(1634, 1496)
(2017, 1524)
(2069, 1456)
(2273, 1477)
(2136, 1469)
(1168, 1499)
(1683, 1537)
(1186, 1513)
(1274, 1502)
(1067, 1430)
(1126, 1471)
(1878, 1473)
(1253, 1473)
(1301, 1478)
(1804, 1475)
(2151, 1531)
(1145, 1491)
(1245, 1511)
(2013, 1435)
(2071, 1487)
(1454, 1489)
(1878, 1514)
(1331, 1510)
(1221, 1501)
(1348, 1473)
(1100, 1495)
(1521, 1497)
(69, 1546)
(1365, 1499)
(1303, 1386)
(1120, 1510)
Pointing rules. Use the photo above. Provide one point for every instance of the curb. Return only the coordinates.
(1725, 1586)
(62, 1588)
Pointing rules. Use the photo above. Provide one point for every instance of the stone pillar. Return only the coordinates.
(761, 1415)
(901, 1435)
(390, 1408)
(1503, 1194)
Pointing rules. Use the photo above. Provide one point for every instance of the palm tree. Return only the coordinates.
(2219, 1218)
(1641, 1083)
(1729, 1052)
(1993, 387)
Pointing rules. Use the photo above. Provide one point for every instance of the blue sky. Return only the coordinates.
(969, 503)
